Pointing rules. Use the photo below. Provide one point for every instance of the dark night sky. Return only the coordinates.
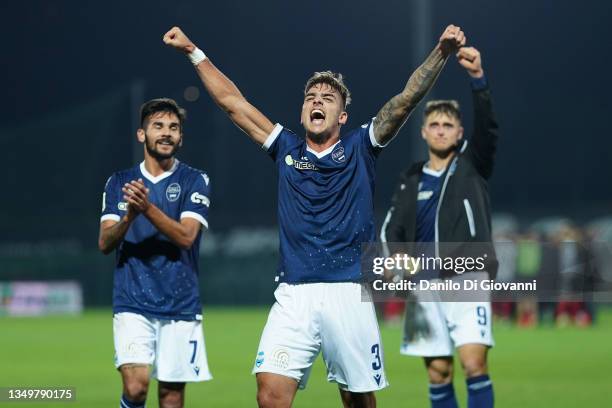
(548, 64)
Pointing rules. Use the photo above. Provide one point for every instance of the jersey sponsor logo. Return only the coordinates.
(424, 195)
(198, 198)
(173, 192)
(122, 206)
(338, 154)
(300, 165)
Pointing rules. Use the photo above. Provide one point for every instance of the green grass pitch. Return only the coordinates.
(539, 368)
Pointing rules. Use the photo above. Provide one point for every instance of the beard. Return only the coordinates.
(151, 147)
(443, 153)
(319, 138)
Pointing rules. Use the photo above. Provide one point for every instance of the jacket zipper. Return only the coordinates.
(470, 217)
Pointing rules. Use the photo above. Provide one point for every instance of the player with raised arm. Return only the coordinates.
(446, 200)
(152, 216)
(325, 211)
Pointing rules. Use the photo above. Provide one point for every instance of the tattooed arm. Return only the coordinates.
(395, 112)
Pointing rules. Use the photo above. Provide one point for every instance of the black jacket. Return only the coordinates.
(464, 209)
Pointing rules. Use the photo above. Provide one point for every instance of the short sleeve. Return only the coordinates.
(110, 200)
(197, 201)
(368, 140)
(279, 142)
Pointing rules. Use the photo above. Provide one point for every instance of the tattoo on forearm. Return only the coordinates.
(395, 112)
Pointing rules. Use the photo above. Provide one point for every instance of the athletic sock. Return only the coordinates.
(126, 403)
(442, 396)
(480, 392)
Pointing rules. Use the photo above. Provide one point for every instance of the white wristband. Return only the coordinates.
(196, 56)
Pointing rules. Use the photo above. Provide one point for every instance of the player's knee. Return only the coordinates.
(440, 372)
(136, 390)
(171, 400)
(358, 399)
(171, 395)
(473, 367)
(267, 397)
(275, 391)
(440, 376)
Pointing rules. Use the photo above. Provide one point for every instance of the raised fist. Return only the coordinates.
(177, 39)
(469, 58)
(451, 40)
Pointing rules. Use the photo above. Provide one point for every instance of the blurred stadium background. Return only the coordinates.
(74, 75)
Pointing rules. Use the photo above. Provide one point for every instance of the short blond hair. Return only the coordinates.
(333, 79)
(448, 107)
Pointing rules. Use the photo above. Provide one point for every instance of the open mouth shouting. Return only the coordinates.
(317, 117)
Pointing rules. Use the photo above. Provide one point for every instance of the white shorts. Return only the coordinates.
(433, 329)
(175, 348)
(330, 318)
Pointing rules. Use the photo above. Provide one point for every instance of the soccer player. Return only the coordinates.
(325, 210)
(446, 200)
(152, 216)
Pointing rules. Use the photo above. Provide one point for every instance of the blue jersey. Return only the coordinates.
(427, 203)
(430, 184)
(153, 276)
(325, 204)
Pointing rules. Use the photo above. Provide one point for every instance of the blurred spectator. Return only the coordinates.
(506, 250)
(528, 265)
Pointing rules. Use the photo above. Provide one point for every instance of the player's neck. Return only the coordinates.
(157, 167)
(437, 162)
(319, 145)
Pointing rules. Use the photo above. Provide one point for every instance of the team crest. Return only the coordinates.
(338, 154)
(173, 192)
(260, 359)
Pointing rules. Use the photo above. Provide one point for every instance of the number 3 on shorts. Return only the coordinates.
(376, 365)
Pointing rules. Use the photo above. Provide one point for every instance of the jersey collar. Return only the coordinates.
(324, 153)
(432, 172)
(156, 179)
